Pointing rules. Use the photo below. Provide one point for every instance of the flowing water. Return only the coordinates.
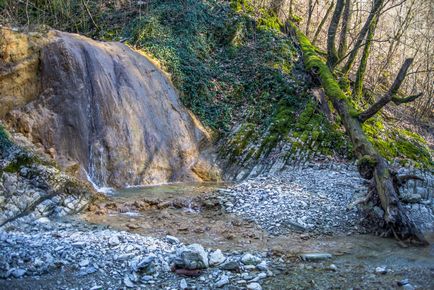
(192, 213)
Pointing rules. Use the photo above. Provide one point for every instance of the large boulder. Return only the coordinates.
(104, 110)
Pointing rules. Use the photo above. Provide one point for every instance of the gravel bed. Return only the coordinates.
(101, 258)
(315, 199)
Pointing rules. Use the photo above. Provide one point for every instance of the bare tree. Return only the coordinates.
(346, 19)
(360, 75)
(376, 7)
(323, 21)
(331, 34)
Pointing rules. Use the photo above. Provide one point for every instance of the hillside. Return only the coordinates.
(211, 144)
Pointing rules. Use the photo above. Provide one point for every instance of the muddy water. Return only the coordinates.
(192, 213)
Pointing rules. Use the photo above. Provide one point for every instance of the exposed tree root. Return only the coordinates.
(371, 165)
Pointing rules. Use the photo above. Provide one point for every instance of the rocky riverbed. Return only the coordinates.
(67, 255)
(315, 199)
(292, 230)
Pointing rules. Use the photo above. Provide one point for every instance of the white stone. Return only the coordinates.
(216, 257)
(249, 259)
(254, 286)
(183, 284)
(192, 257)
(114, 241)
(222, 281)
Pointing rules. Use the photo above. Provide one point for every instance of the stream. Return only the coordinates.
(192, 213)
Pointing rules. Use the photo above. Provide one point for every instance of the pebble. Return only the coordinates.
(114, 241)
(381, 270)
(84, 263)
(183, 284)
(249, 259)
(172, 239)
(403, 282)
(128, 282)
(408, 287)
(222, 281)
(18, 273)
(254, 286)
(192, 257)
(262, 266)
(230, 265)
(216, 257)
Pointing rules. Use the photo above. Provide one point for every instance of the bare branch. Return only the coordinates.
(399, 101)
(377, 106)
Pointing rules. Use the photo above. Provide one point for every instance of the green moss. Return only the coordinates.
(242, 6)
(269, 21)
(240, 141)
(5, 141)
(23, 159)
(395, 143)
(367, 161)
(314, 62)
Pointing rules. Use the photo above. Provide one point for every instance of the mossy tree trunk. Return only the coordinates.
(371, 164)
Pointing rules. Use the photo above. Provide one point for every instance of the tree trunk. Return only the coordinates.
(309, 15)
(360, 75)
(371, 164)
(331, 34)
(378, 4)
(343, 38)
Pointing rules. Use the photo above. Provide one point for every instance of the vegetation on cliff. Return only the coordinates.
(232, 65)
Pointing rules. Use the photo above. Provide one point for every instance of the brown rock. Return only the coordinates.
(104, 106)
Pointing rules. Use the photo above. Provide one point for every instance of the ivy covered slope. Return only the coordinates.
(240, 75)
(235, 69)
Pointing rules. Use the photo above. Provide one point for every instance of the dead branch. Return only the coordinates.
(399, 101)
(377, 106)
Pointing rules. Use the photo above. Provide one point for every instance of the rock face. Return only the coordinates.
(19, 63)
(107, 111)
(32, 188)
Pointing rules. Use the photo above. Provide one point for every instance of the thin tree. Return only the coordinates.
(360, 75)
(376, 7)
(323, 21)
(346, 19)
(331, 34)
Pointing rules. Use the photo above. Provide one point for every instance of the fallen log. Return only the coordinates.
(371, 164)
